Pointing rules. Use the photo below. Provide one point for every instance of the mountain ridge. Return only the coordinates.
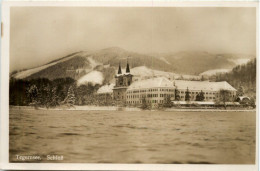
(78, 64)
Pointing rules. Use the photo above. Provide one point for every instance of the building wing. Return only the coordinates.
(150, 83)
(203, 85)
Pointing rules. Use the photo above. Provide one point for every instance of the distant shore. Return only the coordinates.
(211, 110)
(115, 108)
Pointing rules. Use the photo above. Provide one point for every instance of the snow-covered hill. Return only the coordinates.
(29, 72)
(240, 61)
(94, 77)
(100, 66)
(144, 72)
(214, 71)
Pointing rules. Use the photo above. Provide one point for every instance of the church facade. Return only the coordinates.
(123, 81)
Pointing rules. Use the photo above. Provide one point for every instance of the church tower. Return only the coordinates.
(127, 68)
(128, 77)
(122, 83)
(119, 69)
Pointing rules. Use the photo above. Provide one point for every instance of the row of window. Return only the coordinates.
(152, 95)
(183, 92)
(195, 97)
(149, 95)
(170, 90)
(134, 102)
(166, 95)
(150, 90)
(148, 101)
(132, 96)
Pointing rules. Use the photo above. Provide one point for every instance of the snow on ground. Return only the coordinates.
(87, 107)
(80, 70)
(214, 71)
(106, 89)
(143, 72)
(27, 73)
(240, 61)
(107, 66)
(93, 63)
(105, 108)
(94, 77)
(164, 60)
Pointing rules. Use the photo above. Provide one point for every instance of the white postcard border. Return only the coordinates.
(4, 139)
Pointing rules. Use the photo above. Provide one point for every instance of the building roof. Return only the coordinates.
(151, 83)
(243, 97)
(203, 85)
(118, 75)
(106, 89)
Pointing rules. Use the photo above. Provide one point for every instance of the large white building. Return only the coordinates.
(210, 89)
(155, 90)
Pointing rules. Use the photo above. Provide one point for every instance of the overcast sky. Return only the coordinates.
(41, 34)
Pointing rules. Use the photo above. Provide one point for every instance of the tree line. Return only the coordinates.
(241, 76)
(47, 93)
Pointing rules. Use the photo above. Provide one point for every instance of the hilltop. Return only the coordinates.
(100, 66)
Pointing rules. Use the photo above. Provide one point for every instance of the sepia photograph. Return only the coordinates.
(132, 85)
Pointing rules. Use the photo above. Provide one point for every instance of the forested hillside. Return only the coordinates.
(79, 64)
(198, 62)
(241, 75)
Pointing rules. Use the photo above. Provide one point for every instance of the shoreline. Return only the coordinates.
(129, 109)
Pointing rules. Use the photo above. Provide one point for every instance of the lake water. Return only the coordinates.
(134, 137)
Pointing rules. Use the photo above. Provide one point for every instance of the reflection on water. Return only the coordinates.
(134, 137)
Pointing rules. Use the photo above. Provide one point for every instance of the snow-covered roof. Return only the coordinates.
(106, 89)
(203, 85)
(243, 97)
(151, 83)
(117, 75)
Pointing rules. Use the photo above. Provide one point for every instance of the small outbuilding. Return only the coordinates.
(243, 99)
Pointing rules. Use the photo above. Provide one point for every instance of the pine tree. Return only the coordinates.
(252, 102)
(40, 97)
(54, 98)
(70, 99)
(144, 103)
(202, 78)
(32, 93)
(47, 96)
(167, 101)
(200, 96)
(177, 95)
(187, 95)
(240, 91)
